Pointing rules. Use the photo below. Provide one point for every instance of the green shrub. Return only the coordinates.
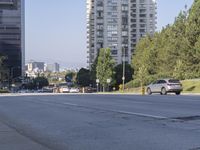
(4, 91)
(132, 84)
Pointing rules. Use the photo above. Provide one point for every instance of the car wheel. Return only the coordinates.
(149, 91)
(178, 93)
(163, 91)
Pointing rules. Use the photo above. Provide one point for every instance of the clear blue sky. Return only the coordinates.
(56, 29)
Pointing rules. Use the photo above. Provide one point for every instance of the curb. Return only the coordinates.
(56, 94)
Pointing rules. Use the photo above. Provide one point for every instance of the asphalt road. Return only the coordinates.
(105, 122)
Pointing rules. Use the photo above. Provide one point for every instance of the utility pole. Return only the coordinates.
(123, 77)
(104, 53)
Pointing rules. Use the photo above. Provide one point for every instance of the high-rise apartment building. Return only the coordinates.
(118, 25)
(35, 66)
(55, 67)
(12, 35)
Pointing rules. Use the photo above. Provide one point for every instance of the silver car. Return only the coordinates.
(74, 90)
(165, 86)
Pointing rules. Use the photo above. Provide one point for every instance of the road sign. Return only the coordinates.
(108, 80)
(97, 80)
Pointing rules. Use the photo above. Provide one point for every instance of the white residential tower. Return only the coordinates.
(118, 25)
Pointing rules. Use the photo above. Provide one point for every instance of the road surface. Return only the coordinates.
(104, 122)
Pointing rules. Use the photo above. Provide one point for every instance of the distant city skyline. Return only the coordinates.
(56, 32)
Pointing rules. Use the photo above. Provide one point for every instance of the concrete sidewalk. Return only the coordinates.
(10, 139)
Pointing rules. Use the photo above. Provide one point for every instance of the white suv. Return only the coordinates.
(165, 86)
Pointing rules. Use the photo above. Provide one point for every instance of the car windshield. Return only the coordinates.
(174, 81)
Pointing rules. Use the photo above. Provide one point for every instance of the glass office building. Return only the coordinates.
(12, 36)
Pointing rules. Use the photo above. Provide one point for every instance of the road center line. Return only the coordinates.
(142, 115)
(120, 111)
(71, 104)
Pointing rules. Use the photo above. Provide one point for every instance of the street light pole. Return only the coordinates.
(123, 76)
(97, 81)
(108, 81)
(104, 66)
(10, 77)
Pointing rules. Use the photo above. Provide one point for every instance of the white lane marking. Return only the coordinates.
(142, 115)
(120, 111)
(71, 104)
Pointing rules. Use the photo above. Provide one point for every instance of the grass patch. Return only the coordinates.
(191, 86)
(4, 91)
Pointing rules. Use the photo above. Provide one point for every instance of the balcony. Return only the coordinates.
(6, 2)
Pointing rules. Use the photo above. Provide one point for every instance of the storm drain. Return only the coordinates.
(188, 118)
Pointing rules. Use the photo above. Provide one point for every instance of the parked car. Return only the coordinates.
(64, 89)
(74, 90)
(47, 90)
(88, 90)
(165, 86)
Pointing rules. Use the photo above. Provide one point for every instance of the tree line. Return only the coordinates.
(104, 72)
(4, 73)
(173, 52)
